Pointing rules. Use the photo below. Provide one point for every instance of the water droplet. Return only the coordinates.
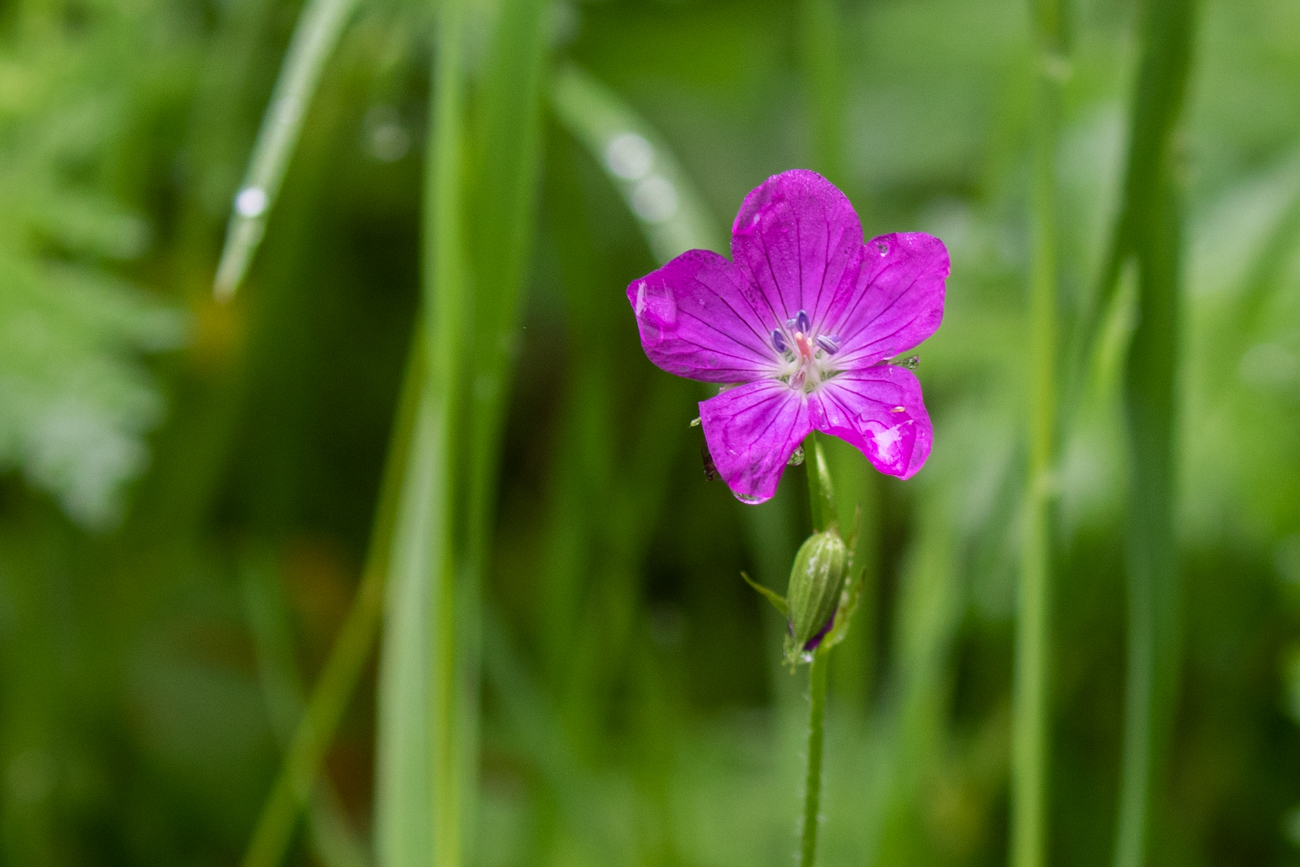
(882, 247)
(251, 202)
(655, 199)
(629, 156)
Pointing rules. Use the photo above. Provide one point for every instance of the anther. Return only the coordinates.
(830, 344)
(778, 340)
(802, 322)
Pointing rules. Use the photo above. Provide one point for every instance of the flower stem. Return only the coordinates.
(821, 495)
(822, 502)
(813, 780)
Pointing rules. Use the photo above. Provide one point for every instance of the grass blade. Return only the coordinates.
(1032, 687)
(1153, 221)
(670, 211)
(314, 39)
(331, 839)
(347, 658)
(422, 771)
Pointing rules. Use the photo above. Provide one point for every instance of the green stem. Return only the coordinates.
(1033, 627)
(821, 494)
(1154, 226)
(821, 499)
(314, 39)
(445, 288)
(813, 780)
(338, 680)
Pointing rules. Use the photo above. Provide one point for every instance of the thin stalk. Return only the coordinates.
(1154, 223)
(421, 769)
(813, 778)
(822, 502)
(505, 182)
(330, 838)
(338, 679)
(1030, 753)
(445, 288)
(314, 39)
(821, 494)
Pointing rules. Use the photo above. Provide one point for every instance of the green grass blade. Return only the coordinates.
(1032, 687)
(670, 211)
(422, 769)
(504, 193)
(331, 839)
(403, 793)
(1154, 221)
(314, 39)
(351, 649)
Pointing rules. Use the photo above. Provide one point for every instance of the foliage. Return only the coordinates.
(633, 708)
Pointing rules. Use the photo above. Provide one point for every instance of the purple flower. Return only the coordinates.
(801, 325)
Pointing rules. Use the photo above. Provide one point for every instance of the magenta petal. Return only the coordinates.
(751, 432)
(879, 410)
(896, 300)
(695, 320)
(797, 236)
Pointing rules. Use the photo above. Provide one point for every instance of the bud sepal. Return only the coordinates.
(816, 585)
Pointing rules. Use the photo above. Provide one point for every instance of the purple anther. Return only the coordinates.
(802, 321)
(778, 340)
(830, 344)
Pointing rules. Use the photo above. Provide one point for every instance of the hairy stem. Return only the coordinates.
(813, 779)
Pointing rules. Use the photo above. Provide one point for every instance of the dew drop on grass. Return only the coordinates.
(629, 156)
(251, 202)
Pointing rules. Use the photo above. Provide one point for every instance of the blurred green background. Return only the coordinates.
(189, 487)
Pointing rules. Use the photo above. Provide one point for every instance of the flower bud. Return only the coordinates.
(815, 585)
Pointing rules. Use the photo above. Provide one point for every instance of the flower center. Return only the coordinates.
(805, 355)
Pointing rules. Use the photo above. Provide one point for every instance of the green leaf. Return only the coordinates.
(777, 600)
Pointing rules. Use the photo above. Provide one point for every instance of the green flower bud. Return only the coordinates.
(816, 582)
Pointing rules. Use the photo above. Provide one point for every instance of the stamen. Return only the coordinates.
(828, 343)
(778, 340)
(802, 321)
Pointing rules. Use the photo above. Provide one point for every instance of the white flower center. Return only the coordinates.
(805, 356)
